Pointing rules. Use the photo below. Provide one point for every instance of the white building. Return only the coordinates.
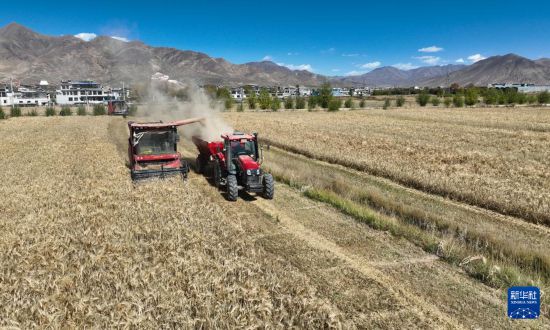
(24, 96)
(238, 93)
(523, 88)
(82, 92)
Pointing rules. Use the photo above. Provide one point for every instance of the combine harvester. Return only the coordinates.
(234, 163)
(153, 149)
(118, 108)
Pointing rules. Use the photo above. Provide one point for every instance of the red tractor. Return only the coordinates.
(152, 149)
(234, 163)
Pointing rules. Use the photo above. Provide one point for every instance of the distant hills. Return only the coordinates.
(29, 56)
(390, 76)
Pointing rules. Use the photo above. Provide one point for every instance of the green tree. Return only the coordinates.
(251, 99)
(544, 97)
(531, 98)
(422, 99)
(275, 104)
(2, 113)
(312, 102)
(471, 96)
(325, 95)
(289, 104)
(458, 100)
(435, 101)
(334, 104)
(362, 103)
(264, 99)
(521, 98)
(511, 96)
(491, 96)
(228, 103)
(300, 102)
(348, 103)
(400, 101)
(223, 93)
(447, 101)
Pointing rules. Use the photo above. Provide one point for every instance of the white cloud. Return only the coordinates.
(431, 49)
(292, 53)
(120, 38)
(355, 73)
(476, 57)
(267, 58)
(306, 67)
(432, 60)
(86, 36)
(371, 65)
(405, 66)
(350, 55)
(460, 60)
(335, 70)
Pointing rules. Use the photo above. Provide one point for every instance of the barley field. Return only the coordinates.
(494, 158)
(81, 245)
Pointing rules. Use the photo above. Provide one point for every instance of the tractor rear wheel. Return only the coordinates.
(217, 174)
(232, 188)
(269, 186)
(199, 167)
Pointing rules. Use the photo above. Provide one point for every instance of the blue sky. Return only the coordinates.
(328, 38)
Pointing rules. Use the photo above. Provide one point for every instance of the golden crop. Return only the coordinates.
(494, 158)
(80, 245)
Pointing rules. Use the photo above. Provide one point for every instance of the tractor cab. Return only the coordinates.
(242, 151)
(234, 163)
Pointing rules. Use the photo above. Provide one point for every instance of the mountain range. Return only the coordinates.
(30, 56)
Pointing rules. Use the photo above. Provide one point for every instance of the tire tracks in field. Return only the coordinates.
(359, 264)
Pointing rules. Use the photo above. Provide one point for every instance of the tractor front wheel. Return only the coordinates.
(269, 186)
(232, 188)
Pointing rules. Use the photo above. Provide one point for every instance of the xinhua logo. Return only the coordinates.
(523, 302)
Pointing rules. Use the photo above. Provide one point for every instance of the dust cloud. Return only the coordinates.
(159, 106)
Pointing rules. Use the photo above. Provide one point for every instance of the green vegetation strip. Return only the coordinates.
(487, 270)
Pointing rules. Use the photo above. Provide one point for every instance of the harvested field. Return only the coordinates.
(493, 158)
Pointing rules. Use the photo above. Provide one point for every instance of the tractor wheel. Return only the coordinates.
(232, 188)
(217, 175)
(199, 165)
(269, 186)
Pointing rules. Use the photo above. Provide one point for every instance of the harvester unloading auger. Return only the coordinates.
(153, 149)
